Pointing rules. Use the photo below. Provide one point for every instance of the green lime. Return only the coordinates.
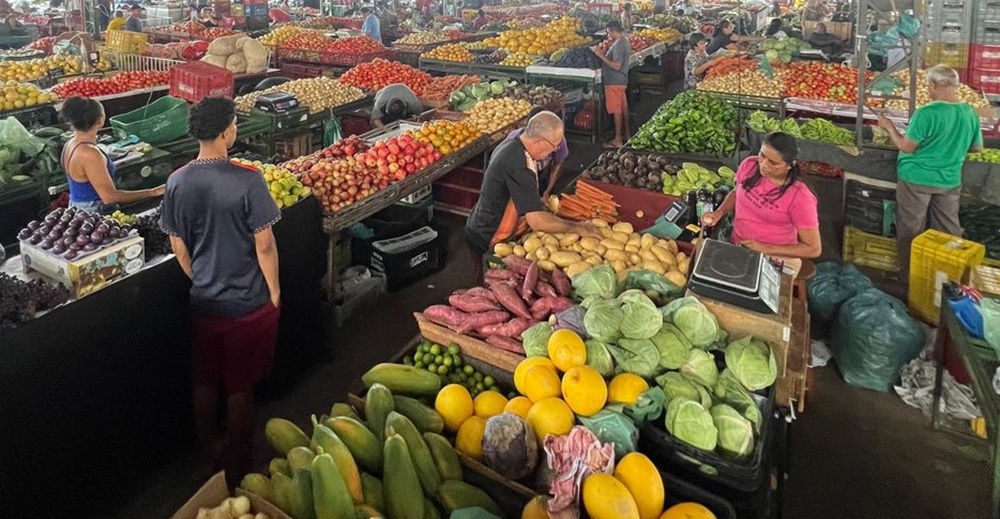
(436, 349)
(433, 368)
(418, 364)
(408, 360)
(442, 370)
(469, 370)
(496, 389)
(479, 377)
(489, 381)
(461, 376)
(418, 356)
(438, 359)
(480, 387)
(453, 350)
(458, 360)
(448, 361)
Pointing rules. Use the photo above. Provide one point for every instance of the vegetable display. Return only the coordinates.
(380, 72)
(447, 361)
(631, 169)
(234, 507)
(682, 24)
(518, 59)
(117, 84)
(441, 88)
(692, 176)
(449, 52)
(965, 93)
(466, 98)
(782, 50)
(744, 81)
(826, 81)
(587, 203)
(419, 39)
(990, 155)
(492, 115)
(813, 129)
(694, 122)
(317, 94)
(284, 186)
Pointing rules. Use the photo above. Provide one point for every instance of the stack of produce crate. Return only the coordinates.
(948, 30)
(984, 58)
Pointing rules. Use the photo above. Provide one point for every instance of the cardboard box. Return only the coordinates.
(89, 273)
(215, 491)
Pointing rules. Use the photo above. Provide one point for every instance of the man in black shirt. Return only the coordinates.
(508, 201)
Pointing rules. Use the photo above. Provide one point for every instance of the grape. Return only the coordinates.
(20, 300)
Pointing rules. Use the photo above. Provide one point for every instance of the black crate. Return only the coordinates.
(678, 490)
(403, 266)
(865, 207)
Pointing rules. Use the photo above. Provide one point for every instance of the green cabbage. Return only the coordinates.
(497, 87)
(734, 431)
(751, 362)
(732, 393)
(672, 345)
(536, 340)
(637, 356)
(641, 317)
(695, 321)
(598, 357)
(676, 386)
(700, 367)
(691, 423)
(603, 320)
(599, 281)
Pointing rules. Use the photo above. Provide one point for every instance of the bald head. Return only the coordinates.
(545, 125)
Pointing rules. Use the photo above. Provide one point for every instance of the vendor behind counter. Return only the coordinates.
(394, 102)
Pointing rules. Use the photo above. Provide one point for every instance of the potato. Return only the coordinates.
(564, 259)
(503, 249)
(681, 257)
(550, 240)
(684, 267)
(552, 249)
(615, 254)
(576, 247)
(568, 240)
(647, 255)
(606, 233)
(631, 248)
(676, 278)
(613, 244)
(672, 246)
(662, 254)
(578, 268)
(634, 259)
(624, 227)
(647, 241)
(546, 265)
(594, 260)
(532, 244)
(601, 249)
(599, 223)
(655, 266)
(531, 256)
(519, 251)
(542, 254)
(635, 242)
(619, 265)
(620, 236)
(589, 243)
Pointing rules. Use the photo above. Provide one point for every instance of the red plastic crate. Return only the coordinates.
(197, 80)
(987, 81)
(984, 57)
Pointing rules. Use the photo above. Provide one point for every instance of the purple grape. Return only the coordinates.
(59, 228)
(46, 244)
(34, 224)
(24, 234)
(126, 229)
(68, 240)
(35, 239)
(51, 219)
(103, 227)
(86, 227)
(54, 235)
(90, 247)
(75, 246)
(82, 240)
(107, 240)
(71, 232)
(97, 237)
(71, 254)
(58, 248)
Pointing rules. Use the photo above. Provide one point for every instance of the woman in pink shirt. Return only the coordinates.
(775, 211)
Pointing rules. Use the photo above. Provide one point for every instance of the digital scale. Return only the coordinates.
(276, 103)
(736, 275)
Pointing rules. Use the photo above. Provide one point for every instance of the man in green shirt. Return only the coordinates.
(931, 155)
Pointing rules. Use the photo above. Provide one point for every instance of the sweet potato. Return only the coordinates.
(545, 306)
(562, 283)
(505, 343)
(515, 327)
(481, 292)
(445, 315)
(511, 300)
(502, 275)
(517, 264)
(545, 290)
(478, 320)
(471, 304)
(530, 280)
(560, 304)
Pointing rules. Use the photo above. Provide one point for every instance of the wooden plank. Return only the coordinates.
(792, 386)
(469, 346)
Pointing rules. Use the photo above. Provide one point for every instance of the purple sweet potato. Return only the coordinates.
(478, 320)
(505, 343)
(560, 304)
(502, 275)
(562, 283)
(517, 264)
(545, 290)
(471, 304)
(510, 299)
(481, 292)
(530, 280)
(445, 315)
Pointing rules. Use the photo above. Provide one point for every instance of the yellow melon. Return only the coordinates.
(604, 497)
(454, 404)
(643, 481)
(523, 367)
(469, 440)
(550, 416)
(584, 390)
(625, 388)
(566, 349)
(519, 405)
(688, 511)
(541, 382)
(489, 403)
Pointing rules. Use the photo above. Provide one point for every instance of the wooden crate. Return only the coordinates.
(293, 147)
(469, 346)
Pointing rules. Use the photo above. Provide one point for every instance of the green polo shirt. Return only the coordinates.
(944, 133)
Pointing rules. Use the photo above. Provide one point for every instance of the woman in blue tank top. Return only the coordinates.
(90, 173)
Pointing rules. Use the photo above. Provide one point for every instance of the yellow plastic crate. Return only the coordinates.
(986, 279)
(935, 259)
(127, 42)
(870, 250)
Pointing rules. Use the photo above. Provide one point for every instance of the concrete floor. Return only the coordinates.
(854, 452)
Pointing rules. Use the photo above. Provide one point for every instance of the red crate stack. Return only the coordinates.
(197, 80)
(987, 81)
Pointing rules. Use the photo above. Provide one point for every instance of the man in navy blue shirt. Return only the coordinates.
(219, 217)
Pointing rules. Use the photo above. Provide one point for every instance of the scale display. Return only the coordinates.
(736, 275)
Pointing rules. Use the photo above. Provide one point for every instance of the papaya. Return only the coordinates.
(400, 482)
(367, 512)
(331, 498)
(430, 510)
(363, 444)
(445, 457)
(402, 379)
(420, 454)
(422, 416)
(257, 484)
(300, 458)
(378, 405)
(279, 466)
(331, 444)
(372, 487)
(281, 485)
(455, 495)
(342, 409)
(300, 495)
(284, 435)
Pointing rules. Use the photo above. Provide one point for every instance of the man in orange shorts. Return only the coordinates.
(614, 74)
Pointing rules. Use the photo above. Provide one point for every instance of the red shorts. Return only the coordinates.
(235, 352)
(614, 99)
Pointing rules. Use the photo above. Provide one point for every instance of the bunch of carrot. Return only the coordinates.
(588, 203)
(727, 66)
(440, 88)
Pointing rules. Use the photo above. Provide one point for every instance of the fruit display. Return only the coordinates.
(441, 88)
(693, 176)
(732, 65)
(317, 41)
(21, 300)
(157, 242)
(681, 24)
(475, 45)
(72, 233)
(117, 84)
(446, 136)
(965, 93)
(824, 81)
(745, 83)
(636, 42)
(14, 96)
(231, 508)
(585, 204)
(284, 186)
(214, 33)
(621, 248)
(419, 39)
(38, 68)
(694, 122)
(449, 52)
(448, 363)
(540, 41)
(536, 95)
(280, 35)
(990, 155)
(493, 58)
(317, 94)
(43, 44)
(343, 148)
(578, 57)
(667, 35)
(518, 59)
(492, 115)
(124, 219)
(380, 72)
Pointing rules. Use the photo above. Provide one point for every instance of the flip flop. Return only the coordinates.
(609, 146)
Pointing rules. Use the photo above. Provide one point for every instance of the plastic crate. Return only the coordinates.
(935, 259)
(161, 121)
(127, 42)
(987, 81)
(984, 57)
(870, 250)
(865, 206)
(293, 147)
(987, 10)
(955, 55)
(986, 279)
(197, 80)
(987, 32)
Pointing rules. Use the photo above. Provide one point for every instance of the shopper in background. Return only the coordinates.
(725, 36)
(931, 155)
(207, 17)
(775, 212)
(626, 17)
(118, 22)
(547, 176)
(371, 27)
(134, 22)
(394, 102)
(480, 20)
(219, 217)
(774, 30)
(509, 203)
(89, 172)
(659, 6)
(12, 25)
(697, 61)
(614, 74)
(822, 40)
(816, 10)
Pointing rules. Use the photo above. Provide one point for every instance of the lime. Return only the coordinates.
(435, 349)
(442, 370)
(469, 370)
(480, 387)
(457, 360)
(438, 359)
(495, 389)
(432, 368)
(453, 350)
(479, 377)
(418, 356)
(418, 364)
(448, 361)
(489, 381)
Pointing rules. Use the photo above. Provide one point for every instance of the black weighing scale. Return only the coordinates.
(276, 103)
(737, 276)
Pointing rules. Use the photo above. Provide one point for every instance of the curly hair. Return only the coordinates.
(210, 117)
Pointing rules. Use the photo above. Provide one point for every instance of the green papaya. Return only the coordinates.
(378, 405)
(445, 457)
(372, 487)
(455, 495)
(331, 444)
(300, 495)
(431, 510)
(300, 458)
(422, 416)
(279, 466)
(331, 498)
(257, 484)
(363, 444)
(342, 409)
(281, 486)
(420, 454)
(400, 482)
(284, 435)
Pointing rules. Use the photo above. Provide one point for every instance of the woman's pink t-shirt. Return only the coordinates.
(762, 218)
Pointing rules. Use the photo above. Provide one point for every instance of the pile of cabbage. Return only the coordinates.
(679, 345)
